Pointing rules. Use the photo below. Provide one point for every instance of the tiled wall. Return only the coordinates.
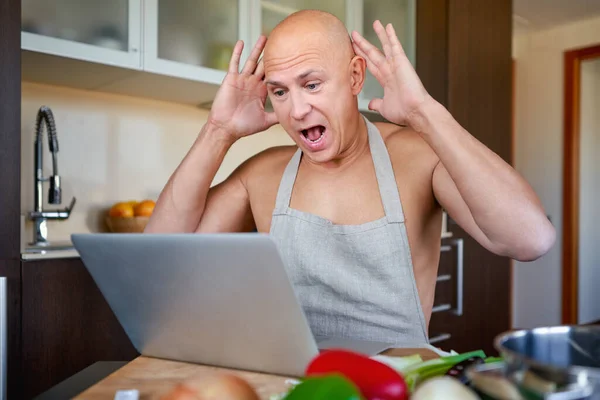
(114, 148)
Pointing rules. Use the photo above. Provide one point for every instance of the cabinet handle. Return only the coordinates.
(459, 278)
(3, 347)
(439, 338)
(441, 307)
(459, 273)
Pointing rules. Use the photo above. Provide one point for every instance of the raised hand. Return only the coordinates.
(239, 106)
(403, 91)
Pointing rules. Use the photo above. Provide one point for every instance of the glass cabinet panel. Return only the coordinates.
(198, 32)
(401, 14)
(100, 23)
(274, 11)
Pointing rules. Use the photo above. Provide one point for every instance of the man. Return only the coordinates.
(355, 207)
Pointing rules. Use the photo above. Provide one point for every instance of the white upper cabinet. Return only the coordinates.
(192, 39)
(106, 32)
(174, 50)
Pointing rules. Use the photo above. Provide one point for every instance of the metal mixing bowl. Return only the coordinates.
(561, 362)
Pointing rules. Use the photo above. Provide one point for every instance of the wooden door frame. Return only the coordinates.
(570, 253)
(513, 162)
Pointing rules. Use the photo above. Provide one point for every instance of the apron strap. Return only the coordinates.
(388, 189)
(284, 194)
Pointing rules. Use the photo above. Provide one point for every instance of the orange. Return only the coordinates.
(144, 208)
(121, 210)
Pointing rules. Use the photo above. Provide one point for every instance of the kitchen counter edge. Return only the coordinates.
(52, 254)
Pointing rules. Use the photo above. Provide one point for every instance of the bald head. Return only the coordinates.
(309, 29)
(313, 78)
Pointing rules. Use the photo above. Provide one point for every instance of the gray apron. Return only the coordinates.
(353, 281)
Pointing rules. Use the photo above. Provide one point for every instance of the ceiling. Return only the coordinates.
(543, 14)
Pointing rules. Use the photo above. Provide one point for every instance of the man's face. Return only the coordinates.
(311, 92)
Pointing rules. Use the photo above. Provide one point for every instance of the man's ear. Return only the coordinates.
(358, 67)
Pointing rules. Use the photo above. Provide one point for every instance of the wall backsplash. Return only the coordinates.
(114, 148)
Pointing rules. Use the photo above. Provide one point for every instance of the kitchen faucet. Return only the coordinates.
(39, 216)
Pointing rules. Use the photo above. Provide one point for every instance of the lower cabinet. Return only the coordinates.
(447, 325)
(66, 324)
(472, 296)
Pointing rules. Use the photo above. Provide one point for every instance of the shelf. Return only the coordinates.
(78, 74)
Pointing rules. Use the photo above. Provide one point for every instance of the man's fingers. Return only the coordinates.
(372, 67)
(260, 69)
(250, 65)
(359, 51)
(369, 52)
(383, 38)
(271, 119)
(397, 49)
(234, 63)
(375, 105)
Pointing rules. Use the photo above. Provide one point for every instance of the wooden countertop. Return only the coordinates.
(153, 377)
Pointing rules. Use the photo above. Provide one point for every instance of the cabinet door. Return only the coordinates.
(445, 327)
(67, 324)
(402, 15)
(106, 32)
(193, 39)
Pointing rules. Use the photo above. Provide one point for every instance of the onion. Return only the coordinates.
(443, 388)
(180, 392)
(217, 386)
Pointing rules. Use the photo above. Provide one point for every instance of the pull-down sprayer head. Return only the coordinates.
(54, 192)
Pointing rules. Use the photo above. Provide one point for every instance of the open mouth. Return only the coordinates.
(314, 134)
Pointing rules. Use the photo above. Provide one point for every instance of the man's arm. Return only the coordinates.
(480, 191)
(188, 204)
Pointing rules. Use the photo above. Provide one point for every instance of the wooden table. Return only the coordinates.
(153, 377)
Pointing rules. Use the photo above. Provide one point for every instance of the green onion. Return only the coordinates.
(418, 373)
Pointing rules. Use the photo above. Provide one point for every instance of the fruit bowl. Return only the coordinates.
(126, 225)
(129, 216)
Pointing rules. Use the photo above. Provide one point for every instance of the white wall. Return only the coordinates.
(114, 148)
(589, 200)
(538, 156)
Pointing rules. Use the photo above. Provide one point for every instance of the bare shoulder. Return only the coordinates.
(271, 158)
(406, 145)
(266, 165)
(261, 176)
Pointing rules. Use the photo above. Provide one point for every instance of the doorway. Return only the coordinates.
(581, 187)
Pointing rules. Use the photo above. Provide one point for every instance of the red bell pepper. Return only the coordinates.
(375, 380)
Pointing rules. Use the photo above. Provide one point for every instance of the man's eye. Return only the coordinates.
(278, 93)
(312, 86)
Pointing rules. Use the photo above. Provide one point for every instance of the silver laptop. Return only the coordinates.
(215, 299)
